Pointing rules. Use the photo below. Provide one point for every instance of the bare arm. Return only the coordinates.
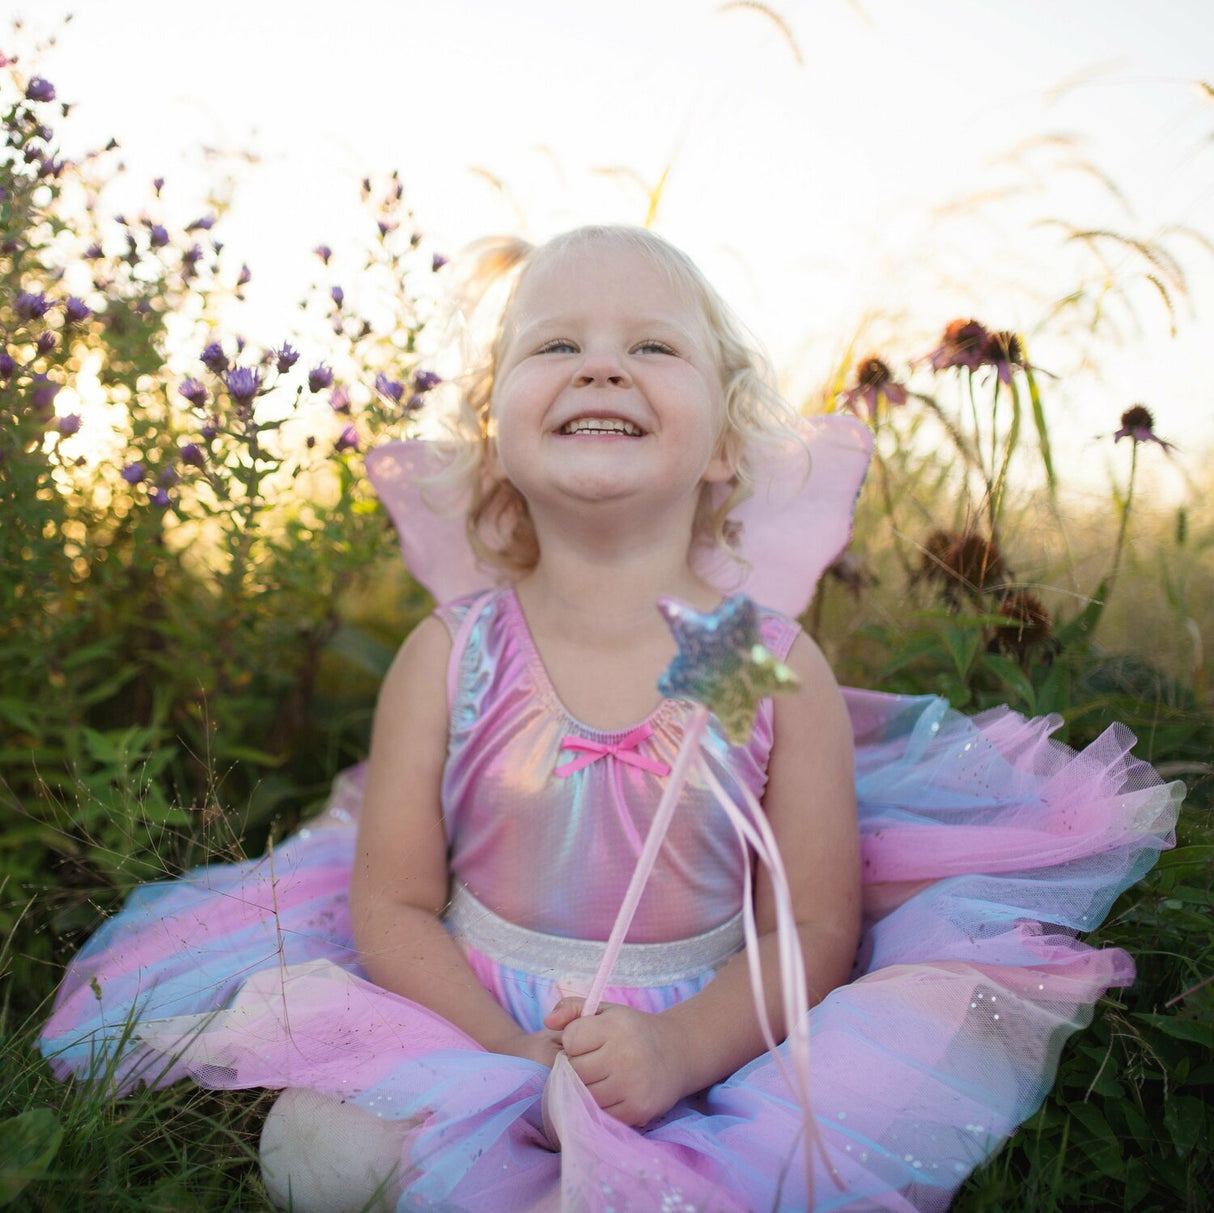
(399, 886)
(638, 1066)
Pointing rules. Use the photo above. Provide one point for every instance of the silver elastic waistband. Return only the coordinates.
(575, 960)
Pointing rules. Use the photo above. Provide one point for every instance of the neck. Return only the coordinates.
(608, 577)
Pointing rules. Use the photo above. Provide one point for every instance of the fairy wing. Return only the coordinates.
(798, 520)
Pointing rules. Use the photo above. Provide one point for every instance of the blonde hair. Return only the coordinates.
(500, 529)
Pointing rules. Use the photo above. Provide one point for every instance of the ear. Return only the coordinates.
(723, 466)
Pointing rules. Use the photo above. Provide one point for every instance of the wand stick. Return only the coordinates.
(688, 752)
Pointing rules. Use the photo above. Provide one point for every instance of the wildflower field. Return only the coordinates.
(199, 593)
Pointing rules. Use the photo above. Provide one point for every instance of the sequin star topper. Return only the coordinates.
(722, 664)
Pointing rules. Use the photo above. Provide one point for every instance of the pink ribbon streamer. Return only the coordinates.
(753, 830)
(624, 750)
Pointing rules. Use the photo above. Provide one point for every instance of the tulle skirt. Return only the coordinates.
(988, 849)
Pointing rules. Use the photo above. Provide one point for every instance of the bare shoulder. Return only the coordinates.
(813, 745)
(416, 679)
(819, 697)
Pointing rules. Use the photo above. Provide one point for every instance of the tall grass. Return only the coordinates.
(189, 654)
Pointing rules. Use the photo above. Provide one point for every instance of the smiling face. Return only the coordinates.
(607, 386)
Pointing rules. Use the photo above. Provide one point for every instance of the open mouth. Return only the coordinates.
(601, 425)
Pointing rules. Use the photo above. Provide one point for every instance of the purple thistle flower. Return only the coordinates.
(339, 400)
(134, 473)
(386, 227)
(210, 429)
(437, 262)
(204, 224)
(158, 497)
(415, 402)
(46, 342)
(191, 257)
(324, 252)
(158, 235)
(319, 377)
(214, 359)
(286, 358)
(39, 89)
(337, 295)
(245, 276)
(191, 453)
(68, 424)
(168, 477)
(424, 381)
(76, 311)
(1138, 425)
(45, 133)
(93, 251)
(30, 305)
(391, 388)
(42, 397)
(347, 440)
(193, 391)
(7, 364)
(242, 383)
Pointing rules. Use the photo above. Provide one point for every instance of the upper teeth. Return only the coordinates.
(602, 425)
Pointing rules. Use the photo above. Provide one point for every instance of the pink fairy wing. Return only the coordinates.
(800, 516)
(797, 522)
(429, 521)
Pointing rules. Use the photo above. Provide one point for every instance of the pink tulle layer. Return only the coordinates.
(987, 849)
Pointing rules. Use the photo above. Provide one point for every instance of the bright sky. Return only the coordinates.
(813, 192)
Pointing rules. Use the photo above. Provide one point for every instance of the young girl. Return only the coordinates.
(519, 751)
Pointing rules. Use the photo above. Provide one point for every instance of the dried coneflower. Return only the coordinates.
(1028, 625)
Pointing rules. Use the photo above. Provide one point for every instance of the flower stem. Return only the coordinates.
(1125, 515)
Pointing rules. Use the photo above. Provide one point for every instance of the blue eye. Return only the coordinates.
(652, 346)
(560, 345)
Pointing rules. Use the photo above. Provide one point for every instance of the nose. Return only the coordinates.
(601, 368)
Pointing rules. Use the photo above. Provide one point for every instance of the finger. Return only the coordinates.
(592, 1070)
(583, 1036)
(564, 1013)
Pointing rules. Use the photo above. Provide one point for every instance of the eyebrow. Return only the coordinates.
(557, 321)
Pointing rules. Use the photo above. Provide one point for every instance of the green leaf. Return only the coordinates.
(962, 645)
(28, 1143)
(16, 712)
(1181, 1029)
(361, 649)
(1102, 1147)
(1084, 624)
(1043, 432)
(1013, 678)
(1185, 1119)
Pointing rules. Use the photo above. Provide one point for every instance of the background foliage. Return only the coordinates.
(198, 594)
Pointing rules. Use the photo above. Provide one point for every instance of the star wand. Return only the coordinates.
(725, 670)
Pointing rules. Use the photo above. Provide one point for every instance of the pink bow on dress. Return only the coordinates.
(625, 750)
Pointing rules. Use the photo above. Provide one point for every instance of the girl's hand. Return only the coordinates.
(630, 1061)
(534, 1046)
